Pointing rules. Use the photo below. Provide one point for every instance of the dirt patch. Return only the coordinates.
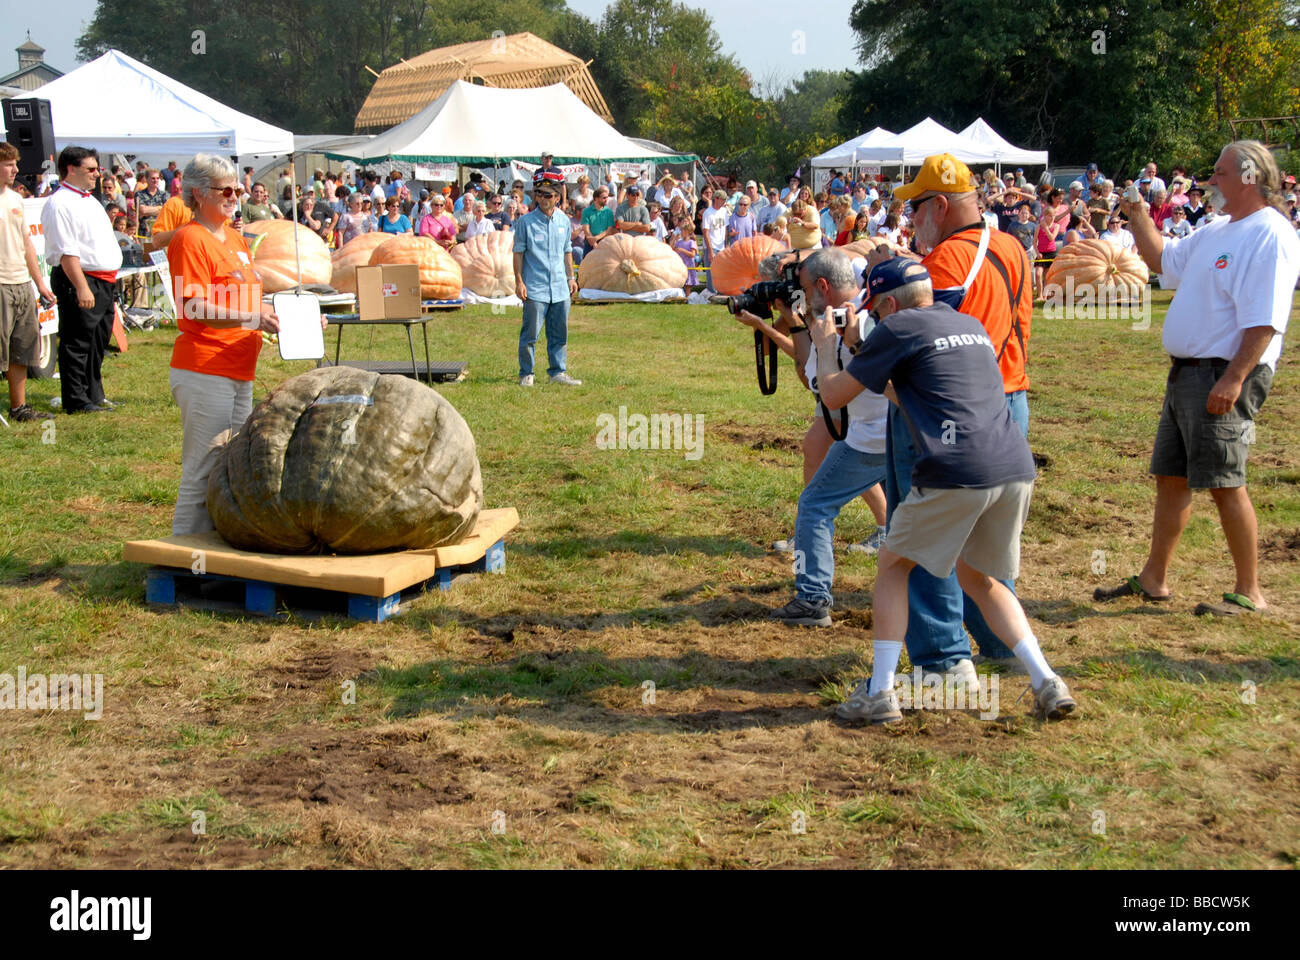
(757, 438)
(1282, 546)
(313, 668)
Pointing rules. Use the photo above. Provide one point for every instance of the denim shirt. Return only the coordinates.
(544, 241)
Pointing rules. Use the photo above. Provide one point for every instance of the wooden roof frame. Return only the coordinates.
(518, 61)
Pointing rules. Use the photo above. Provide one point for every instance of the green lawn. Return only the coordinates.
(505, 723)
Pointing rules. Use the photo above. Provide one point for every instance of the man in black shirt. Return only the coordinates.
(971, 484)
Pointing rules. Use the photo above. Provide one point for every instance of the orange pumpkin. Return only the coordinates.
(736, 267)
(1095, 271)
(355, 253)
(277, 263)
(487, 263)
(439, 273)
(623, 263)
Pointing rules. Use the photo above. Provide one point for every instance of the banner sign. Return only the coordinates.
(48, 317)
(446, 172)
(621, 170)
(524, 171)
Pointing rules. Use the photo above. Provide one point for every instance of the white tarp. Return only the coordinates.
(1003, 151)
(150, 114)
(868, 148)
(477, 125)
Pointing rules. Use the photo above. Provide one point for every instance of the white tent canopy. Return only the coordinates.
(470, 124)
(152, 114)
(978, 143)
(1003, 151)
(868, 148)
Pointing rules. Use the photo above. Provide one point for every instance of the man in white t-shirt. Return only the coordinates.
(20, 331)
(1235, 278)
(853, 465)
(714, 225)
(1116, 234)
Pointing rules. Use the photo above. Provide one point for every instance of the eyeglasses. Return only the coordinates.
(916, 204)
(226, 192)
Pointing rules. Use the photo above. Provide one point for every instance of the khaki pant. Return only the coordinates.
(209, 407)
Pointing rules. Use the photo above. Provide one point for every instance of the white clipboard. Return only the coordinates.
(301, 336)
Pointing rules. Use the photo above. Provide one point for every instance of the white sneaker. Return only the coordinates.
(880, 708)
(526, 381)
(784, 546)
(963, 672)
(566, 380)
(871, 545)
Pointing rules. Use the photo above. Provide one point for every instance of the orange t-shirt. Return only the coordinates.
(987, 298)
(173, 214)
(221, 272)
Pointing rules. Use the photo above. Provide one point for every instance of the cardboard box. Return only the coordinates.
(388, 291)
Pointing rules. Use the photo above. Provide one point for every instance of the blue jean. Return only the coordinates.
(844, 475)
(556, 315)
(936, 608)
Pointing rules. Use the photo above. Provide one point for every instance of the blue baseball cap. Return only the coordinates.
(892, 274)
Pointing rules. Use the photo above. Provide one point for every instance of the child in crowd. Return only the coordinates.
(683, 241)
(656, 221)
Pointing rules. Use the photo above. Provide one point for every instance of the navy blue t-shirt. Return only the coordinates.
(945, 372)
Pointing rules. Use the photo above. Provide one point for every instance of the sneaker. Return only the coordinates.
(870, 545)
(803, 613)
(526, 381)
(1052, 700)
(963, 671)
(880, 708)
(565, 380)
(1009, 664)
(784, 546)
(23, 413)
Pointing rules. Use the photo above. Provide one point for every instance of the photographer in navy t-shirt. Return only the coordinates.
(971, 484)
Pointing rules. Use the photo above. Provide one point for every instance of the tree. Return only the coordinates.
(1116, 84)
(301, 64)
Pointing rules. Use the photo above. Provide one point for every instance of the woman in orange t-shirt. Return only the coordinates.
(220, 315)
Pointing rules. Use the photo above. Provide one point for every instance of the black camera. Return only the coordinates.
(759, 298)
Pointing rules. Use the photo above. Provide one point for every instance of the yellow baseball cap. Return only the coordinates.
(942, 173)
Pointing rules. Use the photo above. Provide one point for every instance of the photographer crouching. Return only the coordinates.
(851, 466)
(774, 299)
(971, 483)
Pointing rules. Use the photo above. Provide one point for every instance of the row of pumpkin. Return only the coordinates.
(485, 264)
(620, 264)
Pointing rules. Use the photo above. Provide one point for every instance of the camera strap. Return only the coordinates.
(766, 382)
(842, 431)
(1013, 299)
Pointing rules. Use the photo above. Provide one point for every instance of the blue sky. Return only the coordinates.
(758, 33)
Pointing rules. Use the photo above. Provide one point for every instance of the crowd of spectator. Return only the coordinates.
(144, 206)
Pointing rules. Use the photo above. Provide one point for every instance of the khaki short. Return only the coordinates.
(20, 331)
(981, 526)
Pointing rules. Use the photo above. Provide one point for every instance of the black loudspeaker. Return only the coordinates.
(29, 128)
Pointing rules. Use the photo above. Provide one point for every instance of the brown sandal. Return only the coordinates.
(1129, 588)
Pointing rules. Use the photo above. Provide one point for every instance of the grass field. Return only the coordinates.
(502, 724)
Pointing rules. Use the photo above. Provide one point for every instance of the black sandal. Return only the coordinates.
(1129, 588)
(1234, 604)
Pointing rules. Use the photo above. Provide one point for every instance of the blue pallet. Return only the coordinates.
(262, 598)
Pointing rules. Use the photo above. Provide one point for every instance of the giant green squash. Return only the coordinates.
(344, 460)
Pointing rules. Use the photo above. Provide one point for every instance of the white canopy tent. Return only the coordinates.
(869, 148)
(154, 115)
(1003, 150)
(476, 125)
(978, 143)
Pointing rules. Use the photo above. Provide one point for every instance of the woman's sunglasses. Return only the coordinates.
(226, 192)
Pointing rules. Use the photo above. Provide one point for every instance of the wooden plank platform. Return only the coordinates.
(371, 584)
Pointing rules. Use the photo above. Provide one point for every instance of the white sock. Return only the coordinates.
(884, 661)
(1027, 652)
